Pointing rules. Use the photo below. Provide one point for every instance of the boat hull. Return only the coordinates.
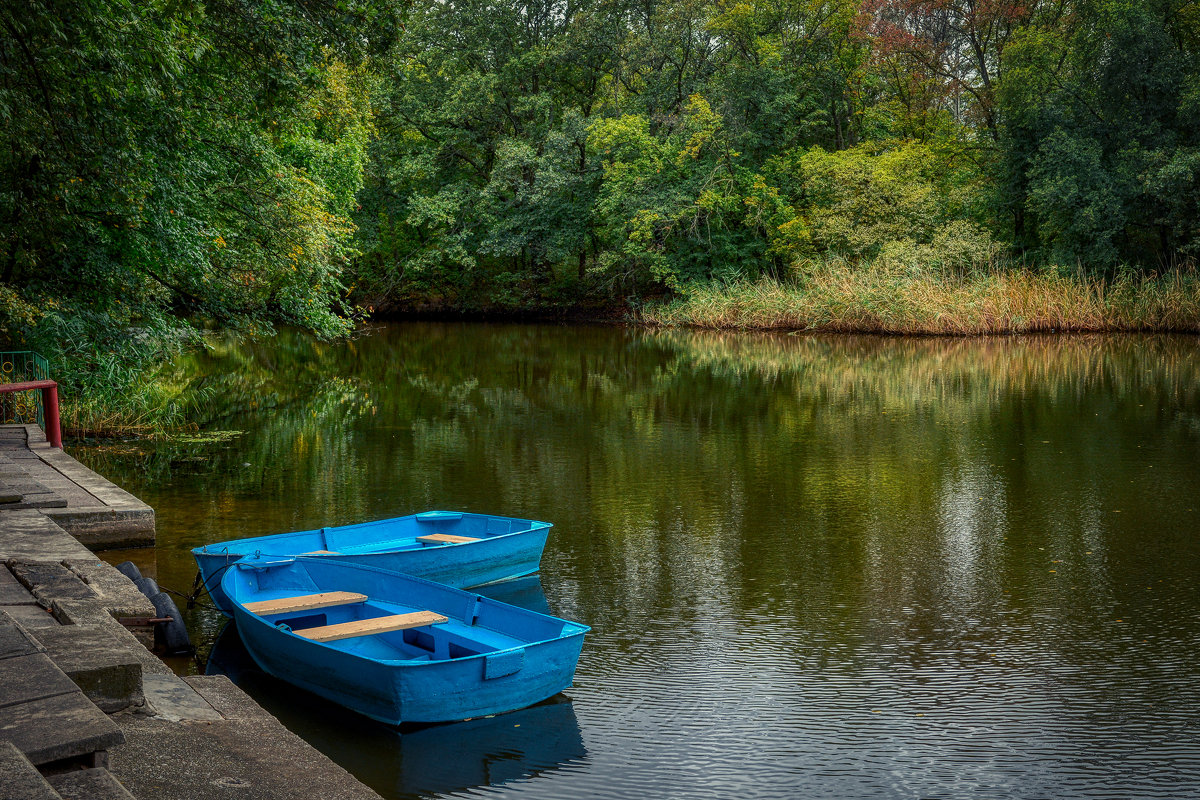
(396, 691)
(494, 557)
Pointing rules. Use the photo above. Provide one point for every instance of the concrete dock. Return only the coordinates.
(95, 511)
(86, 709)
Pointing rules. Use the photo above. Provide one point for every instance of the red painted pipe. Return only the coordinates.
(50, 412)
(49, 406)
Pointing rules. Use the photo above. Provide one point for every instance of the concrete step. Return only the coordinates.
(92, 509)
(173, 699)
(89, 784)
(12, 593)
(19, 779)
(15, 640)
(28, 677)
(49, 581)
(64, 728)
(98, 662)
(42, 712)
(30, 535)
(19, 489)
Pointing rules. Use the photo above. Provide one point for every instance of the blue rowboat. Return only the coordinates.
(450, 547)
(396, 648)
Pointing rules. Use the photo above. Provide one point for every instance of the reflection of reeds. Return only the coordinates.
(779, 468)
(834, 298)
(909, 371)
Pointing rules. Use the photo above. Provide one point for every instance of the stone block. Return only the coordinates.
(107, 527)
(229, 700)
(116, 592)
(12, 593)
(92, 615)
(50, 581)
(19, 489)
(250, 759)
(68, 726)
(29, 535)
(172, 699)
(15, 640)
(101, 664)
(30, 677)
(89, 784)
(19, 779)
(30, 617)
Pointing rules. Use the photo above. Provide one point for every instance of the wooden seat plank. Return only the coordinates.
(305, 602)
(321, 553)
(446, 538)
(366, 627)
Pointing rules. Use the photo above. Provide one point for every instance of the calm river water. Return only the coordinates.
(814, 567)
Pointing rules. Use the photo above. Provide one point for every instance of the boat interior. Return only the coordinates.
(385, 631)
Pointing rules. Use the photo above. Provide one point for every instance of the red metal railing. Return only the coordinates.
(49, 405)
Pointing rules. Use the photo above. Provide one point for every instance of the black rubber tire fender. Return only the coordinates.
(171, 637)
(146, 586)
(129, 570)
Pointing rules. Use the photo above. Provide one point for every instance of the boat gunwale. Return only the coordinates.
(222, 548)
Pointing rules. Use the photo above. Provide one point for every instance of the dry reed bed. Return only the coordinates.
(843, 300)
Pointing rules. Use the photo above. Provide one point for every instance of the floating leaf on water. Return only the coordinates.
(205, 437)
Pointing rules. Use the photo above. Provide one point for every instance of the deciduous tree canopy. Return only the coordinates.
(618, 147)
(274, 162)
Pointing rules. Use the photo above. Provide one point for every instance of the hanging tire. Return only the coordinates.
(146, 586)
(129, 570)
(171, 637)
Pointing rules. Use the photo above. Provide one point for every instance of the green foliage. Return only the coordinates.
(277, 161)
(632, 149)
(890, 198)
(162, 162)
(1102, 138)
(531, 152)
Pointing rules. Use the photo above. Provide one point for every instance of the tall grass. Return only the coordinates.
(146, 406)
(835, 297)
(114, 378)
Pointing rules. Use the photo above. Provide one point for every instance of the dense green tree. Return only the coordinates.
(163, 160)
(1102, 140)
(277, 161)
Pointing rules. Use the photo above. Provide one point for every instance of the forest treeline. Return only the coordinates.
(250, 163)
(619, 147)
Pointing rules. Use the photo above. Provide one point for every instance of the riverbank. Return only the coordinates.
(883, 298)
(878, 300)
(829, 298)
(88, 710)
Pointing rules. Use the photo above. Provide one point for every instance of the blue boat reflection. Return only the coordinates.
(521, 592)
